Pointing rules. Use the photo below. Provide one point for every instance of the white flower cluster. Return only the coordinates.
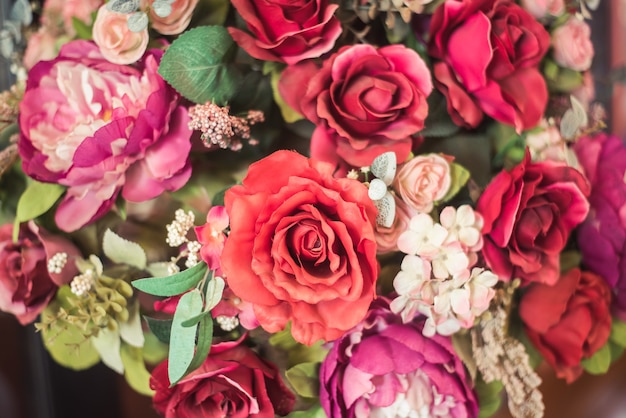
(437, 277)
(177, 230)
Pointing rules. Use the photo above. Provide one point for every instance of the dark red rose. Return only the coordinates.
(232, 382)
(529, 214)
(487, 54)
(364, 100)
(569, 321)
(26, 285)
(287, 30)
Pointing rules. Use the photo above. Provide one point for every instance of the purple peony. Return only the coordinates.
(384, 368)
(602, 237)
(101, 129)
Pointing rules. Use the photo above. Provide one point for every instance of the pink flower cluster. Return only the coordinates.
(437, 278)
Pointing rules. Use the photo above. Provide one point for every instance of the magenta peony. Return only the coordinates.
(384, 368)
(101, 128)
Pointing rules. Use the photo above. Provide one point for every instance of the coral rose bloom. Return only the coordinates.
(301, 247)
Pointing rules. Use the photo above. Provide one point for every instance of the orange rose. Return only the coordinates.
(301, 247)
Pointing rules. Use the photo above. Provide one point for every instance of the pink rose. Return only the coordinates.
(423, 180)
(116, 41)
(42, 45)
(177, 21)
(543, 8)
(493, 74)
(387, 238)
(364, 101)
(287, 31)
(101, 129)
(571, 44)
(26, 284)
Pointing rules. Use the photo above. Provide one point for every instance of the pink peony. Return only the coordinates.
(116, 41)
(101, 128)
(26, 284)
(384, 368)
(423, 180)
(571, 44)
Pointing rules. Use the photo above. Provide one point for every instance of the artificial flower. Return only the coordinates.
(176, 21)
(571, 44)
(387, 238)
(301, 247)
(118, 44)
(211, 236)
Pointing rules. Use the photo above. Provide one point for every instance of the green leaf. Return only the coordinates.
(182, 341)
(108, 343)
(489, 397)
(7, 133)
(315, 411)
(83, 30)
(290, 115)
(130, 331)
(161, 328)
(438, 123)
(195, 65)
(191, 322)
(68, 346)
(122, 251)
(618, 332)
(135, 371)
(154, 351)
(213, 293)
(36, 200)
(172, 285)
(459, 176)
(205, 338)
(598, 363)
(304, 378)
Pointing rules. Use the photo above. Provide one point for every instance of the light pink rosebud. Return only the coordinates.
(543, 8)
(117, 43)
(423, 180)
(572, 47)
(177, 21)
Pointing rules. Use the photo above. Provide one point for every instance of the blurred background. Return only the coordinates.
(33, 386)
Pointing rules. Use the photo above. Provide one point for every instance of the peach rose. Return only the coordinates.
(572, 47)
(117, 43)
(177, 21)
(423, 180)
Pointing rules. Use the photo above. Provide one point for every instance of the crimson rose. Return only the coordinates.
(487, 56)
(301, 247)
(287, 30)
(529, 214)
(232, 382)
(569, 321)
(365, 101)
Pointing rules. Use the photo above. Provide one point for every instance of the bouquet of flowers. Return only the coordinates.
(308, 208)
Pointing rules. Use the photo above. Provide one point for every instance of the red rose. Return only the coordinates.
(301, 247)
(569, 321)
(488, 53)
(365, 101)
(529, 214)
(232, 382)
(26, 285)
(287, 30)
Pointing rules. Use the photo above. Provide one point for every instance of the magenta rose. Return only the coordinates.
(287, 31)
(101, 129)
(495, 72)
(529, 214)
(385, 368)
(364, 100)
(26, 284)
(232, 382)
(568, 322)
(602, 237)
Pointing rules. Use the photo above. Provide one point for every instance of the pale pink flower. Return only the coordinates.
(424, 237)
(117, 43)
(423, 180)
(543, 8)
(211, 236)
(572, 46)
(464, 225)
(42, 46)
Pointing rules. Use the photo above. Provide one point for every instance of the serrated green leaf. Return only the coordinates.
(121, 251)
(161, 328)
(68, 346)
(618, 332)
(183, 339)
(36, 200)
(135, 371)
(172, 285)
(108, 344)
(205, 338)
(459, 176)
(195, 65)
(598, 363)
(304, 378)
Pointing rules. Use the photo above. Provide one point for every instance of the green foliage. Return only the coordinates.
(135, 371)
(304, 378)
(83, 30)
(618, 332)
(460, 176)
(438, 122)
(290, 115)
(315, 411)
(172, 285)
(182, 341)
(489, 397)
(196, 65)
(154, 351)
(161, 328)
(36, 200)
(122, 251)
(559, 79)
(598, 363)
